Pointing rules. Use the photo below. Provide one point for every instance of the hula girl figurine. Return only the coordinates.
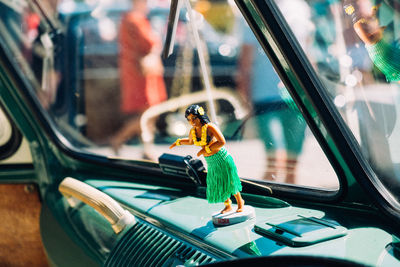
(222, 177)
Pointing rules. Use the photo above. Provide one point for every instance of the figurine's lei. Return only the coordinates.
(203, 141)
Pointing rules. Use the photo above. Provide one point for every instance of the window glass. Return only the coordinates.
(354, 48)
(104, 84)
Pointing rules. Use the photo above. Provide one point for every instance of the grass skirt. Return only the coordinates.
(222, 177)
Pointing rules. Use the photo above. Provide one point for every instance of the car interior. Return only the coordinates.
(305, 112)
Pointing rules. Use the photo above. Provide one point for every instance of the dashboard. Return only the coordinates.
(172, 228)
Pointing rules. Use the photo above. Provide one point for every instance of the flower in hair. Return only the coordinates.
(201, 111)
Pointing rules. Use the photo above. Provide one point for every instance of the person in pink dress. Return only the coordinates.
(141, 70)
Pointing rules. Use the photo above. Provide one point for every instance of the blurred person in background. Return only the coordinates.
(386, 57)
(141, 71)
(281, 125)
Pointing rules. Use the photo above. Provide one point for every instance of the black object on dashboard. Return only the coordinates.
(181, 166)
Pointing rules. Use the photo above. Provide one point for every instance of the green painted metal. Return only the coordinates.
(365, 242)
(54, 233)
(18, 173)
(43, 161)
(300, 231)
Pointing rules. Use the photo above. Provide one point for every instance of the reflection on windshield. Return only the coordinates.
(355, 52)
(107, 89)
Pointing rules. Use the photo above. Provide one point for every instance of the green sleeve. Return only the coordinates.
(386, 58)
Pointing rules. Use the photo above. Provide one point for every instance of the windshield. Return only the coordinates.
(353, 46)
(101, 79)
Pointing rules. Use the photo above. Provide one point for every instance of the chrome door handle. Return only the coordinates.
(74, 190)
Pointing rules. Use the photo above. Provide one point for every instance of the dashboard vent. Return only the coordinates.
(190, 256)
(146, 245)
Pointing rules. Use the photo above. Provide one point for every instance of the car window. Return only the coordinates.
(353, 47)
(105, 86)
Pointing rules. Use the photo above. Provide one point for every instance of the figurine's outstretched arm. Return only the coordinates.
(183, 141)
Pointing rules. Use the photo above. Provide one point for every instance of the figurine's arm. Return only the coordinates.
(217, 134)
(214, 146)
(183, 141)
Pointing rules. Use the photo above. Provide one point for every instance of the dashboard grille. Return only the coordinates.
(146, 245)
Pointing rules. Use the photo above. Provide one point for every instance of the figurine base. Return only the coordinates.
(233, 217)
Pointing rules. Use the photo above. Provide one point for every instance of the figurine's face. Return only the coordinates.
(193, 120)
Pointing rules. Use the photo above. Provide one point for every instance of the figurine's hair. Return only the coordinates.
(194, 110)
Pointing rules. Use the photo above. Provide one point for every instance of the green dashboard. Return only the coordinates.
(175, 228)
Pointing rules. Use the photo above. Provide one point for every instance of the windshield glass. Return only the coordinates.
(101, 79)
(353, 46)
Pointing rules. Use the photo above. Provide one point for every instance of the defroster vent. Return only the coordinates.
(146, 245)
